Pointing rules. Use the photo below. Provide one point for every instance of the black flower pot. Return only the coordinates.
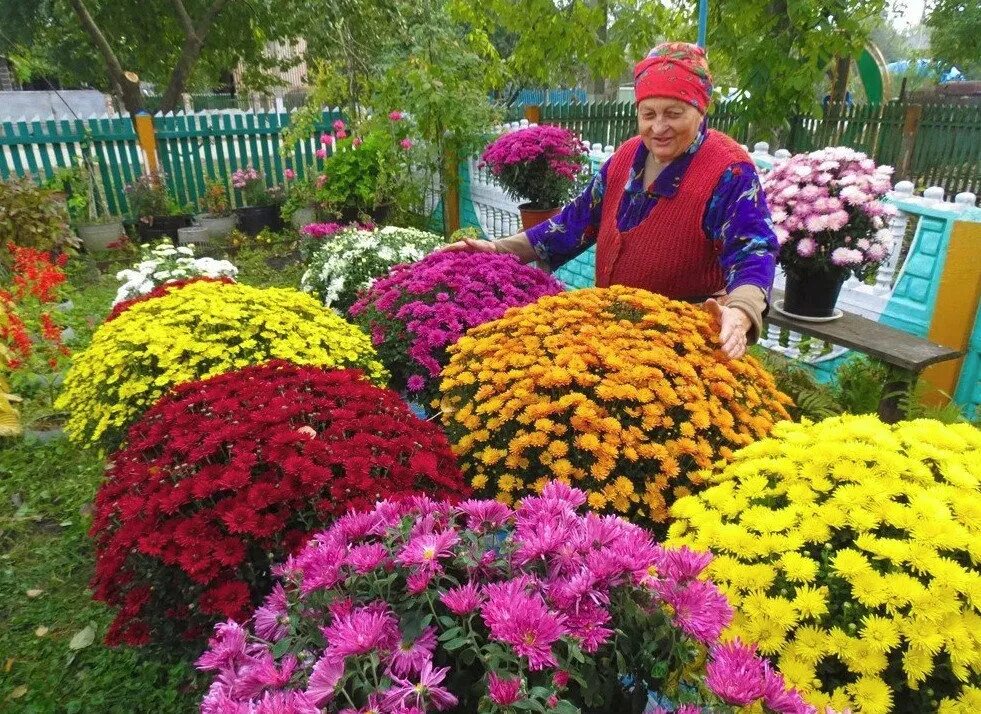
(812, 293)
(253, 219)
(155, 228)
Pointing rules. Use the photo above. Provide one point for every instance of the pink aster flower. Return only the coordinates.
(700, 609)
(503, 692)
(326, 673)
(410, 657)
(406, 144)
(365, 558)
(683, 564)
(735, 674)
(286, 703)
(289, 174)
(325, 139)
(462, 599)
(485, 514)
(427, 549)
(415, 383)
(357, 141)
(339, 125)
(361, 631)
(321, 153)
(271, 620)
(226, 648)
(403, 693)
(560, 679)
(262, 673)
(396, 115)
(525, 623)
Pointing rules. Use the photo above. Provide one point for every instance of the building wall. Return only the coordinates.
(64, 104)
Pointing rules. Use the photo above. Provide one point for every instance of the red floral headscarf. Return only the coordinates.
(674, 69)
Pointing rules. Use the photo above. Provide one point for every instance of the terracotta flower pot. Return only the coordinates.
(531, 217)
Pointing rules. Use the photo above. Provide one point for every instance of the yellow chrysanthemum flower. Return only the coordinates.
(197, 331)
(880, 561)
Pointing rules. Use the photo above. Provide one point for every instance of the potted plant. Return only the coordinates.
(159, 215)
(539, 164)
(218, 218)
(299, 208)
(88, 209)
(261, 208)
(830, 220)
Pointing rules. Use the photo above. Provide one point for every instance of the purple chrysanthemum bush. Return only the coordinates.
(417, 311)
(423, 606)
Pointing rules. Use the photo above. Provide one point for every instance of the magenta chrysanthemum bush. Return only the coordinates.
(422, 606)
(415, 313)
(538, 163)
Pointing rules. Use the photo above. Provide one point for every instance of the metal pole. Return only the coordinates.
(703, 11)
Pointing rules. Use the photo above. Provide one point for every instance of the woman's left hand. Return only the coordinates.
(734, 325)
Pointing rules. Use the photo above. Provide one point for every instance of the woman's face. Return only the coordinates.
(667, 126)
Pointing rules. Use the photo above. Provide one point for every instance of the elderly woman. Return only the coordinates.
(677, 210)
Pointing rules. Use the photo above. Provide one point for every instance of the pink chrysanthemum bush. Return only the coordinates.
(415, 313)
(422, 606)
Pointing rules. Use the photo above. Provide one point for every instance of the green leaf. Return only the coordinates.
(456, 644)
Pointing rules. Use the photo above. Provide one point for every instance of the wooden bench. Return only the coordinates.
(906, 355)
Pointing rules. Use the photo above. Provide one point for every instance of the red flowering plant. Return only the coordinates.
(29, 333)
(223, 477)
(423, 606)
(415, 313)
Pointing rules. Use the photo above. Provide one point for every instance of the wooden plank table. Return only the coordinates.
(906, 355)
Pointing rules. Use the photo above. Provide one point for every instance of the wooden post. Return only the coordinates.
(533, 113)
(911, 124)
(147, 137)
(451, 197)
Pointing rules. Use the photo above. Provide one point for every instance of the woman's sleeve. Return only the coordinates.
(574, 230)
(738, 219)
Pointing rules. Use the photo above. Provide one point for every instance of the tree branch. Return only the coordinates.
(130, 91)
(184, 18)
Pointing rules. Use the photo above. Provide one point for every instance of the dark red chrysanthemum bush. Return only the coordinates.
(226, 476)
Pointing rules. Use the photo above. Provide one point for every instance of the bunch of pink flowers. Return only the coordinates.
(417, 311)
(828, 212)
(421, 606)
(243, 177)
(540, 163)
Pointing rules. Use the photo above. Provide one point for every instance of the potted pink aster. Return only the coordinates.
(830, 219)
(538, 164)
(421, 606)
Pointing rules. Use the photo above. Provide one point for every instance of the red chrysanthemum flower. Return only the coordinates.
(224, 477)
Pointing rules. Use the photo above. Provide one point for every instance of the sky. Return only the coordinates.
(906, 13)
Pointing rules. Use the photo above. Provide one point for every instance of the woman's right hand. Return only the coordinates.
(472, 245)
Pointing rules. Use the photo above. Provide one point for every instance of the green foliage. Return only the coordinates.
(859, 383)
(148, 197)
(812, 400)
(215, 201)
(31, 217)
(956, 34)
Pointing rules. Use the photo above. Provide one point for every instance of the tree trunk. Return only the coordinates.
(840, 87)
(128, 89)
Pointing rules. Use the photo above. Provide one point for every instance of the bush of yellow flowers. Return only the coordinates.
(619, 391)
(851, 550)
(200, 330)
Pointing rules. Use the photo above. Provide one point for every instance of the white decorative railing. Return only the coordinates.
(499, 216)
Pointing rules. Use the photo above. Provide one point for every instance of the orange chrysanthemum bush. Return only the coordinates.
(618, 391)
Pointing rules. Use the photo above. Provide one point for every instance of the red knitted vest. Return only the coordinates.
(667, 252)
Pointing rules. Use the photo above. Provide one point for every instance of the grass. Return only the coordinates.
(46, 557)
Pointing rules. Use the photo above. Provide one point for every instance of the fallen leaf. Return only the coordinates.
(41, 631)
(8, 665)
(82, 638)
(35, 592)
(18, 692)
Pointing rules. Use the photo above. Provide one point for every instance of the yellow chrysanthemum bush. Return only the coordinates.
(197, 331)
(851, 551)
(619, 391)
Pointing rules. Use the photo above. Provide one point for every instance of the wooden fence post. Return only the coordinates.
(911, 124)
(147, 137)
(533, 113)
(451, 197)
